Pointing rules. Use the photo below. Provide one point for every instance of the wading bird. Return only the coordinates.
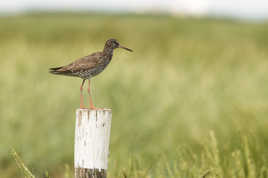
(89, 66)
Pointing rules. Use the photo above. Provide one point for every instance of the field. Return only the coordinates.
(190, 102)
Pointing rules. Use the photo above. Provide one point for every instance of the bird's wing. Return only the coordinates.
(84, 63)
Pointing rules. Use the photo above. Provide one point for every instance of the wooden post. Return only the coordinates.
(92, 136)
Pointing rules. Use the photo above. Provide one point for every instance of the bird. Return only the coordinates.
(89, 66)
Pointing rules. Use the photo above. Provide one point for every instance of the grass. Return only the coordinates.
(21, 165)
(191, 101)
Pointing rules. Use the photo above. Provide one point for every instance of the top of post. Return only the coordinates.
(99, 109)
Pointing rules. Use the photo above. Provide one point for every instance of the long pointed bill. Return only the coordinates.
(125, 48)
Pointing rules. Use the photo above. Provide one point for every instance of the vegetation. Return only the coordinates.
(191, 101)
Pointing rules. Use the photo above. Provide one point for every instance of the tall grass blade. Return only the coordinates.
(27, 173)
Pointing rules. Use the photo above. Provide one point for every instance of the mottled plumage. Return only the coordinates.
(85, 67)
(89, 66)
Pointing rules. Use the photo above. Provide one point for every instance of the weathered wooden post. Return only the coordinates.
(92, 136)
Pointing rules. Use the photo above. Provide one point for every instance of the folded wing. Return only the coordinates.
(80, 65)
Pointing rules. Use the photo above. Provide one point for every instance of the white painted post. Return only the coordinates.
(92, 136)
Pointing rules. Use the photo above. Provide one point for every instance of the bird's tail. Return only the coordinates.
(55, 70)
(60, 71)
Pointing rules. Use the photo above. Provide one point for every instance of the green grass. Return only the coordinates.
(191, 101)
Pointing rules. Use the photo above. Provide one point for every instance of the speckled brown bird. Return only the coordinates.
(89, 66)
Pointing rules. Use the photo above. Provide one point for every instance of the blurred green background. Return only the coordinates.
(191, 101)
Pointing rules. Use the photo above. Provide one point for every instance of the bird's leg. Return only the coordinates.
(81, 95)
(90, 98)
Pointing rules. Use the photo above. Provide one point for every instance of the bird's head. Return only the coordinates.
(113, 43)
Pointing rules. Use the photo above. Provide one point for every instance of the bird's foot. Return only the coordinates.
(94, 108)
(82, 106)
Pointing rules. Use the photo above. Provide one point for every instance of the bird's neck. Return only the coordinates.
(108, 51)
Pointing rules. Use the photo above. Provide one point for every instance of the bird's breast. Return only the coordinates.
(106, 60)
(100, 67)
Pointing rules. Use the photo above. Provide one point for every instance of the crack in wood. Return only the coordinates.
(79, 118)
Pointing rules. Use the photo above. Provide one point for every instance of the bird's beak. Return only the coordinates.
(123, 47)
